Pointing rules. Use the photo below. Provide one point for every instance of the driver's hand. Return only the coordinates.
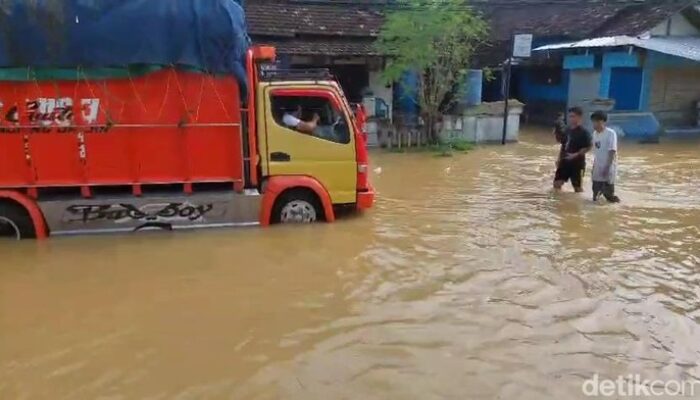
(316, 117)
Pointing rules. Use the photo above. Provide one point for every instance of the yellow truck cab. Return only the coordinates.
(333, 157)
(328, 154)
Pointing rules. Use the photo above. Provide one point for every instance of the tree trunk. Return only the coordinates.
(430, 129)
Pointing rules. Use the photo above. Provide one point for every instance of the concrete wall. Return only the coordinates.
(380, 90)
(674, 92)
(481, 128)
(584, 79)
(584, 85)
(678, 25)
(670, 88)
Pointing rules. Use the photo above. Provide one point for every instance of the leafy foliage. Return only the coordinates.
(436, 39)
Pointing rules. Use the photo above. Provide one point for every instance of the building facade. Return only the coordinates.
(645, 58)
(337, 35)
(660, 75)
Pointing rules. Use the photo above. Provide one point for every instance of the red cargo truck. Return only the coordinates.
(167, 148)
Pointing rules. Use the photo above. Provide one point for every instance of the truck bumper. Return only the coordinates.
(365, 200)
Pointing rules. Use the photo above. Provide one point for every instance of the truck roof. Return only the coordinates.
(311, 75)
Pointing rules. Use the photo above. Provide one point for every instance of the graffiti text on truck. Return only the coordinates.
(51, 115)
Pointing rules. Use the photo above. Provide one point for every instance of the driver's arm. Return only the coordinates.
(302, 126)
(308, 127)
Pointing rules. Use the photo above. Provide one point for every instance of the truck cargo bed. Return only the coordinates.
(168, 126)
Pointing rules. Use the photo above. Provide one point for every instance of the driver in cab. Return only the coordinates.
(292, 119)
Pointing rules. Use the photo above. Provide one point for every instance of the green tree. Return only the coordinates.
(435, 39)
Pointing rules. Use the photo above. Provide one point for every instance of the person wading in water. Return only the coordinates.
(571, 163)
(605, 163)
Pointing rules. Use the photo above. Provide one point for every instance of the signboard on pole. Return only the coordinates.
(522, 46)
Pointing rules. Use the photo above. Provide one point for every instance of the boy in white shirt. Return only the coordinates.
(605, 164)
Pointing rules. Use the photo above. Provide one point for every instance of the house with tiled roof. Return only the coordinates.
(644, 59)
(331, 34)
(315, 28)
(339, 34)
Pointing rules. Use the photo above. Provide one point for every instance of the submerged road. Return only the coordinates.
(470, 280)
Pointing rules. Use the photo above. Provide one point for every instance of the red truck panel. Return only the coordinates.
(14, 170)
(169, 126)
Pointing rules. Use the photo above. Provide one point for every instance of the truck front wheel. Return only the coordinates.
(297, 207)
(15, 222)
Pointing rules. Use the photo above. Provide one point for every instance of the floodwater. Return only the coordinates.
(470, 280)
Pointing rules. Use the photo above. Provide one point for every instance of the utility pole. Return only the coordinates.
(520, 48)
(506, 95)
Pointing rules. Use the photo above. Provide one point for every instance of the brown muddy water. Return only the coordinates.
(470, 280)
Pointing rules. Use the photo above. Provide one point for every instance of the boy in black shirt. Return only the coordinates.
(572, 158)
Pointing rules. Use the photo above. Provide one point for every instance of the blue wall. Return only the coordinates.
(625, 76)
(579, 61)
(621, 76)
(620, 59)
(530, 91)
(616, 60)
(625, 88)
(524, 87)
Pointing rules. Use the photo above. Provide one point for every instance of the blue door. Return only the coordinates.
(626, 88)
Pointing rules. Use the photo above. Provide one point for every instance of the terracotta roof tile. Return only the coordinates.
(341, 22)
(577, 19)
(288, 19)
(639, 18)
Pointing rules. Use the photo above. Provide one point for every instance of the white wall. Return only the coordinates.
(380, 90)
(680, 26)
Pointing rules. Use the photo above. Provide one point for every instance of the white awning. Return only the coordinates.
(685, 47)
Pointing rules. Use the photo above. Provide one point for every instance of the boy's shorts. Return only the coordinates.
(570, 172)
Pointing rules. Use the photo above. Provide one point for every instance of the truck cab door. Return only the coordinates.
(327, 154)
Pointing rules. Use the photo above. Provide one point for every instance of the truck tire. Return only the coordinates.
(15, 222)
(297, 207)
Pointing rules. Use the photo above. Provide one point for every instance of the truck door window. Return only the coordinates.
(330, 123)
